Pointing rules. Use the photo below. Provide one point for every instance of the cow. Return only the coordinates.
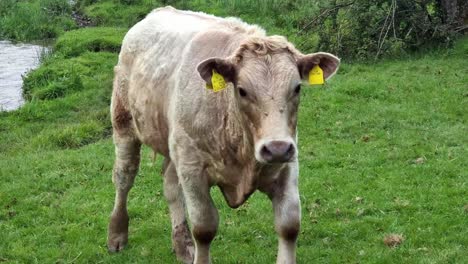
(218, 99)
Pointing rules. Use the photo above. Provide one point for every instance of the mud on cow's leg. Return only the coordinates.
(284, 195)
(181, 238)
(203, 214)
(126, 165)
(287, 225)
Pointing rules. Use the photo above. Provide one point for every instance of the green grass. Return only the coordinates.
(34, 19)
(361, 135)
(391, 132)
(114, 13)
(74, 43)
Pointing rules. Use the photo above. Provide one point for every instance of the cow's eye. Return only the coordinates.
(242, 92)
(297, 90)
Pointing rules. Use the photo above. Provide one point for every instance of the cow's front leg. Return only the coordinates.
(284, 195)
(181, 238)
(201, 210)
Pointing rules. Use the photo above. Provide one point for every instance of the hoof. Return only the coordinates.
(117, 243)
(118, 231)
(186, 255)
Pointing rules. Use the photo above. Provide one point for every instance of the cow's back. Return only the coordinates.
(147, 70)
(164, 33)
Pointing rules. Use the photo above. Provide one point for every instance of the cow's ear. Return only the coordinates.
(221, 66)
(328, 63)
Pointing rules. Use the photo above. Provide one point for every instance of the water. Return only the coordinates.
(15, 61)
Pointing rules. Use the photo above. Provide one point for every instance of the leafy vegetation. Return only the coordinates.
(383, 151)
(362, 29)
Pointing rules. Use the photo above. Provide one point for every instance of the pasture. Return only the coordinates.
(383, 150)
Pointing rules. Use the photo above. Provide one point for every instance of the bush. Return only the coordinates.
(55, 7)
(364, 29)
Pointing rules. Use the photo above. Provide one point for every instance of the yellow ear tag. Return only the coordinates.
(217, 82)
(316, 75)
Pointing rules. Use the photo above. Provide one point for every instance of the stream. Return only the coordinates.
(16, 59)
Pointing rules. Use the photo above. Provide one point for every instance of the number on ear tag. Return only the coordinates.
(316, 75)
(217, 82)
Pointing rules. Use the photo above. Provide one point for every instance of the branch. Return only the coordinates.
(325, 13)
(461, 28)
(382, 40)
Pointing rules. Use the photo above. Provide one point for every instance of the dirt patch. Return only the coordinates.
(393, 240)
(81, 20)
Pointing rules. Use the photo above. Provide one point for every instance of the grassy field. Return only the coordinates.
(383, 150)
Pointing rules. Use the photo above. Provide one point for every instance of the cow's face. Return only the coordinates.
(267, 90)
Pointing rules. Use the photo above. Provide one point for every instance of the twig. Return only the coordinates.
(381, 32)
(461, 28)
(409, 31)
(393, 18)
(73, 260)
(382, 40)
(324, 13)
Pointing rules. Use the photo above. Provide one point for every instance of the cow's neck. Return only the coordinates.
(237, 132)
(241, 166)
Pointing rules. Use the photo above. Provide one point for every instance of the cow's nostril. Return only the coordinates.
(291, 150)
(266, 153)
(277, 151)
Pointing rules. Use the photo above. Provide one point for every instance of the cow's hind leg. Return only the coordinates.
(181, 237)
(127, 151)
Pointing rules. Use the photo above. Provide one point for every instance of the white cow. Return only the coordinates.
(241, 138)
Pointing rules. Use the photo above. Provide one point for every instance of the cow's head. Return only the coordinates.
(267, 74)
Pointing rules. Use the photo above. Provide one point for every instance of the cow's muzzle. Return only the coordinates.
(277, 151)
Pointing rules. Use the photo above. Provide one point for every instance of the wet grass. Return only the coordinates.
(383, 150)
